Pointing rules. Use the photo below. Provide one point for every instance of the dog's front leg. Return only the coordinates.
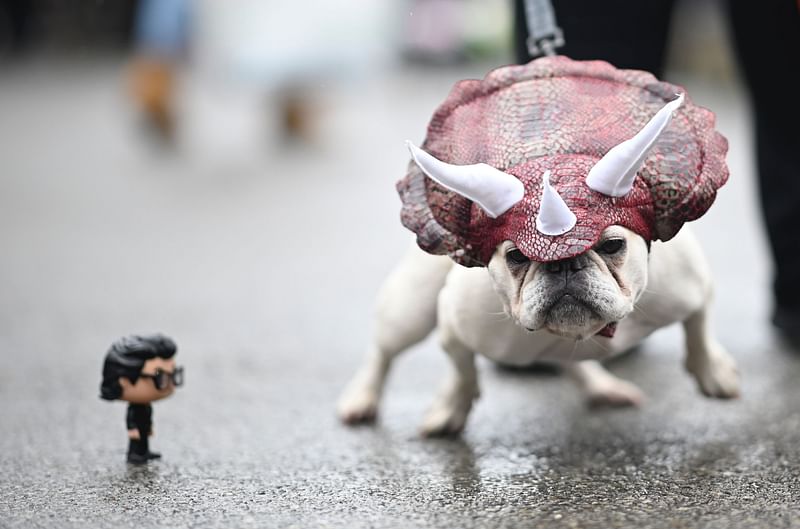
(712, 366)
(359, 401)
(405, 315)
(601, 387)
(448, 414)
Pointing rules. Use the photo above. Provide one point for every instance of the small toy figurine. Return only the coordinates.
(140, 370)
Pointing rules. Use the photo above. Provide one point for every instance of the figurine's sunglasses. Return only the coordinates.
(162, 378)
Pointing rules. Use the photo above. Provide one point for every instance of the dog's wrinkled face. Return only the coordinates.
(575, 298)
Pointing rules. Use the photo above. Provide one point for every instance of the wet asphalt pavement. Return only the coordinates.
(264, 271)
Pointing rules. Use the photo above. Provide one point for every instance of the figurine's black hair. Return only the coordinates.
(126, 357)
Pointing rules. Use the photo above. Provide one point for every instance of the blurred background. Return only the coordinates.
(220, 134)
(223, 172)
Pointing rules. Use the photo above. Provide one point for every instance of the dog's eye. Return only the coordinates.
(612, 246)
(516, 257)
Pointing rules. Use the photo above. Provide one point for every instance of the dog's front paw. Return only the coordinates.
(444, 420)
(358, 403)
(614, 392)
(448, 415)
(717, 376)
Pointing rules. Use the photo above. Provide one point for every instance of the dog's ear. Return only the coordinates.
(684, 174)
(614, 174)
(444, 233)
(451, 190)
(493, 190)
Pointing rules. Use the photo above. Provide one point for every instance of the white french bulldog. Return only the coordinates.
(554, 312)
(575, 311)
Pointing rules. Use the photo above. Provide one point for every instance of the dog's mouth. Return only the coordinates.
(608, 331)
(573, 307)
(570, 314)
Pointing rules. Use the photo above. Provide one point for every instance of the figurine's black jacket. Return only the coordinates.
(140, 418)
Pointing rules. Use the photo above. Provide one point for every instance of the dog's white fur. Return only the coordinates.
(547, 322)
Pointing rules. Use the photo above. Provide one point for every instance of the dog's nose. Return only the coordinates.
(555, 266)
(579, 262)
(574, 264)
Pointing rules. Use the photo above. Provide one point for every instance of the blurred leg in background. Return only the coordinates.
(160, 43)
(628, 34)
(287, 55)
(767, 42)
(15, 22)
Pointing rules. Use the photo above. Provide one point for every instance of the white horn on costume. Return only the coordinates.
(555, 217)
(492, 189)
(614, 174)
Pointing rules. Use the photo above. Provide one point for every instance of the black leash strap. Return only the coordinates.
(544, 36)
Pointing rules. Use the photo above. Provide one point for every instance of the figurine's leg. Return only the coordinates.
(448, 414)
(136, 453)
(601, 387)
(149, 424)
(406, 314)
(138, 418)
(712, 366)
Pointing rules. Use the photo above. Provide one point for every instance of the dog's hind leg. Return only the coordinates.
(405, 315)
(601, 387)
(713, 368)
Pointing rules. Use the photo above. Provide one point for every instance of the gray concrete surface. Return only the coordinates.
(264, 272)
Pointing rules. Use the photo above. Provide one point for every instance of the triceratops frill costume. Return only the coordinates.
(553, 152)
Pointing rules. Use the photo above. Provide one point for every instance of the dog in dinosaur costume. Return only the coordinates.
(548, 192)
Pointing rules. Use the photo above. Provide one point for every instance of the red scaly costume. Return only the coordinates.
(564, 116)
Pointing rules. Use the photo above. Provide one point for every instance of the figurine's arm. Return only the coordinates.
(139, 420)
(130, 420)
